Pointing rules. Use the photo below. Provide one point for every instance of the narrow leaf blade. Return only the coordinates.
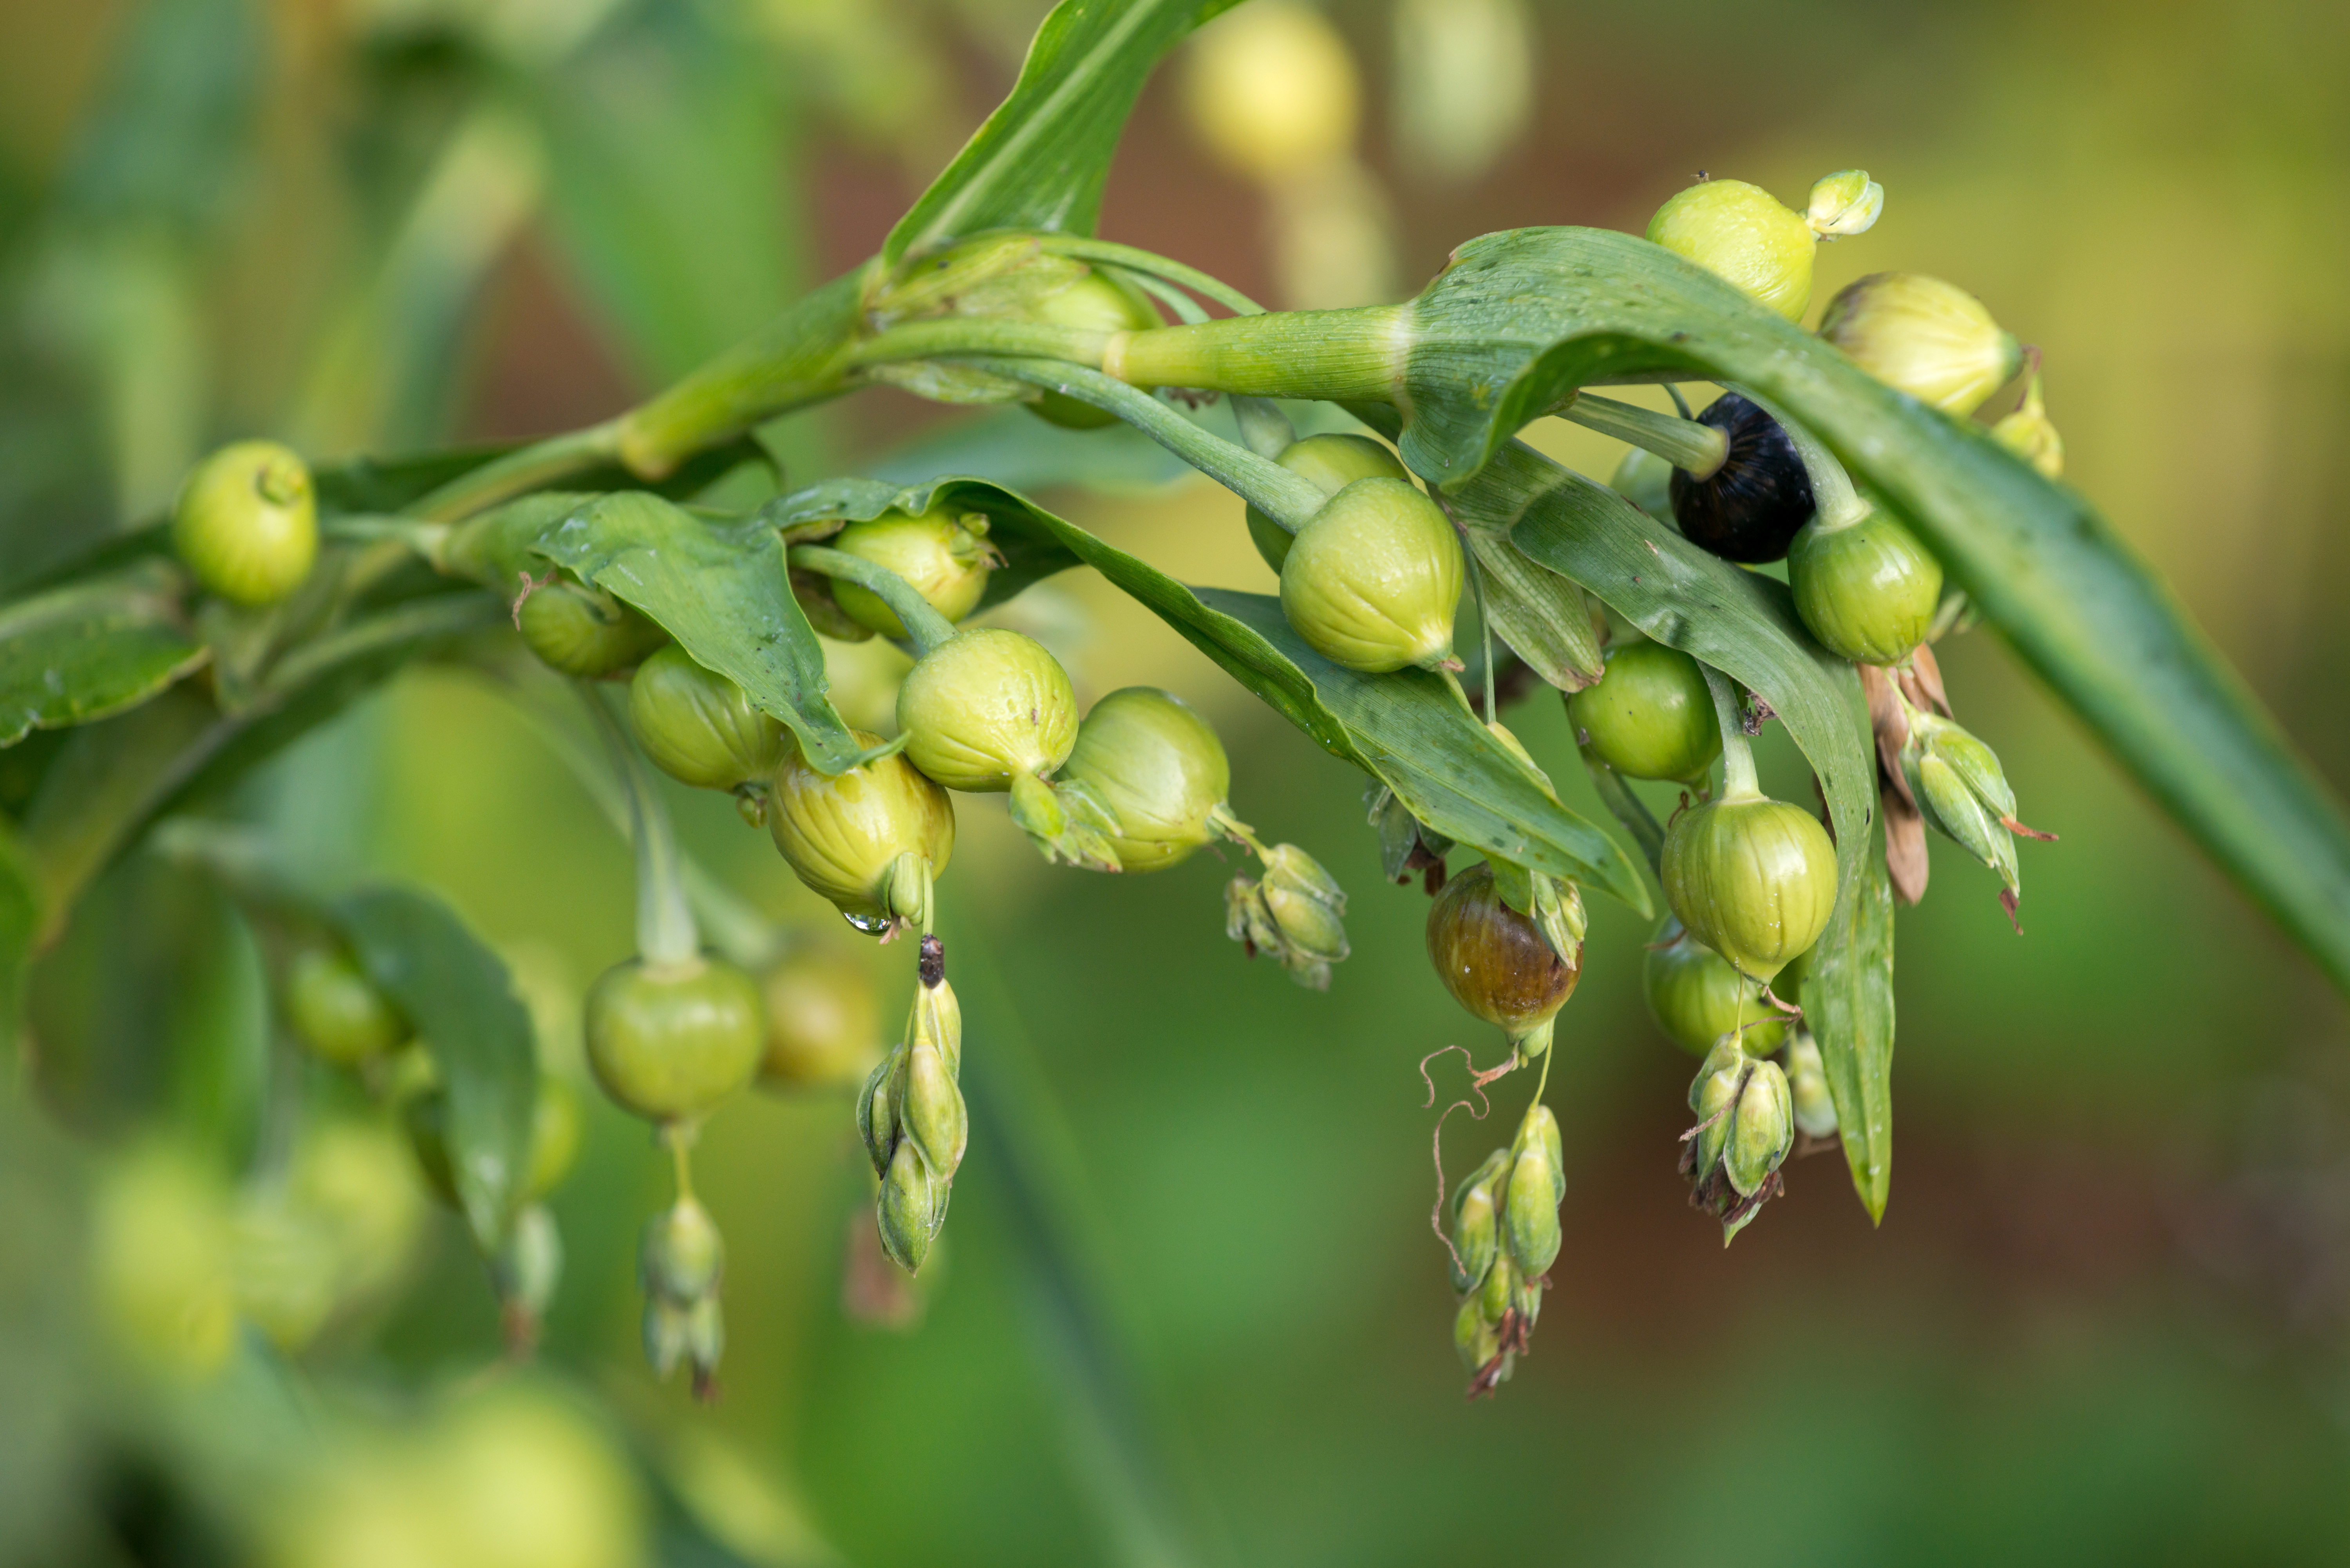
(1040, 160)
(1848, 1004)
(458, 994)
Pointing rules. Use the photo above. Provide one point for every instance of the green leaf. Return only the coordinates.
(20, 923)
(1520, 319)
(1410, 729)
(1040, 160)
(1848, 1004)
(90, 650)
(1741, 623)
(724, 594)
(457, 994)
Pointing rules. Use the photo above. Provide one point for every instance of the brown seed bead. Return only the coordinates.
(1492, 959)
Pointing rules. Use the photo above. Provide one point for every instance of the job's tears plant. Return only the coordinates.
(1418, 542)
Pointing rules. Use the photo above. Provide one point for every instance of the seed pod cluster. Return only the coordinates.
(943, 556)
(912, 1119)
(1866, 590)
(246, 523)
(582, 632)
(1698, 998)
(701, 728)
(1754, 880)
(670, 1041)
(1648, 716)
(335, 1010)
(1496, 960)
(871, 840)
(1745, 1128)
(1373, 580)
(1329, 463)
(1294, 912)
(1505, 1238)
(680, 1263)
(1750, 508)
(1962, 792)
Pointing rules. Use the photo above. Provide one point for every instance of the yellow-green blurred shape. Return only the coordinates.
(160, 1260)
(507, 1477)
(1272, 90)
(332, 1239)
(751, 1513)
(1464, 83)
(864, 678)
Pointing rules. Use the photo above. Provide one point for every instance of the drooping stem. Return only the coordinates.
(1838, 504)
(1145, 262)
(1485, 621)
(1738, 780)
(1279, 493)
(666, 937)
(926, 626)
(1700, 449)
(1628, 808)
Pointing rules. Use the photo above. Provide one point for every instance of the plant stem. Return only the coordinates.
(1837, 503)
(1738, 780)
(1340, 356)
(666, 937)
(1699, 450)
(925, 626)
(1279, 493)
(533, 467)
(1629, 809)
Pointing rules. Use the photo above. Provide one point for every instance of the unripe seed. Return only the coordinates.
(1476, 1233)
(1868, 591)
(1531, 1209)
(1763, 1129)
(1755, 880)
(934, 1116)
(1742, 234)
(842, 834)
(585, 632)
(335, 1010)
(1373, 580)
(1921, 336)
(701, 728)
(672, 1040)
(985, 706)
(1749, 509)
(246, 523)
(912, 1204)
(1807, 1088)
(822, 1025)
(1329, 463)
(1494, 960)
(1159, 767)
(1696, 998)
(1649, 715)
(943, 557)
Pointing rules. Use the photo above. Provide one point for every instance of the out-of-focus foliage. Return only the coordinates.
(2105, 1318)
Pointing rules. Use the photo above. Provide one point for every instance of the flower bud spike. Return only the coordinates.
(1921, 336)
(910, 1208)
(934, 1116)
(1531, 1211)
(1762, 1131)
(877, 1110)
(1476, 1235)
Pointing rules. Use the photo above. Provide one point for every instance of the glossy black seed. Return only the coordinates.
(1751, 509)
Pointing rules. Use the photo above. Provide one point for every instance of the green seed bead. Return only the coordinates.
(842, 833)
(1867, 591)
(246, 523)
(1099, 303)
(986, 706)
(1329, 463)
(1921, 336)
(1648, 716)
(1696, 998)
(672, 1042)
(585, 632)
(336, 1011)
(701, 728)
(1755, 880)
(1159, 766)
(943, 556)
(1492, 959)
(1372, 582)
(1744, 234)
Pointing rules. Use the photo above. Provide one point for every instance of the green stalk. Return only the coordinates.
(1738, 780)
(925, 626)
(1279, 493)
(1629, 809)
(1340, 356)
(1699, 450)
(666, 937)
(533, 467)
(1092, 249)
(1837, 503)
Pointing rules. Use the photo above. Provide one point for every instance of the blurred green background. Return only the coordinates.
(1188, 1310)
